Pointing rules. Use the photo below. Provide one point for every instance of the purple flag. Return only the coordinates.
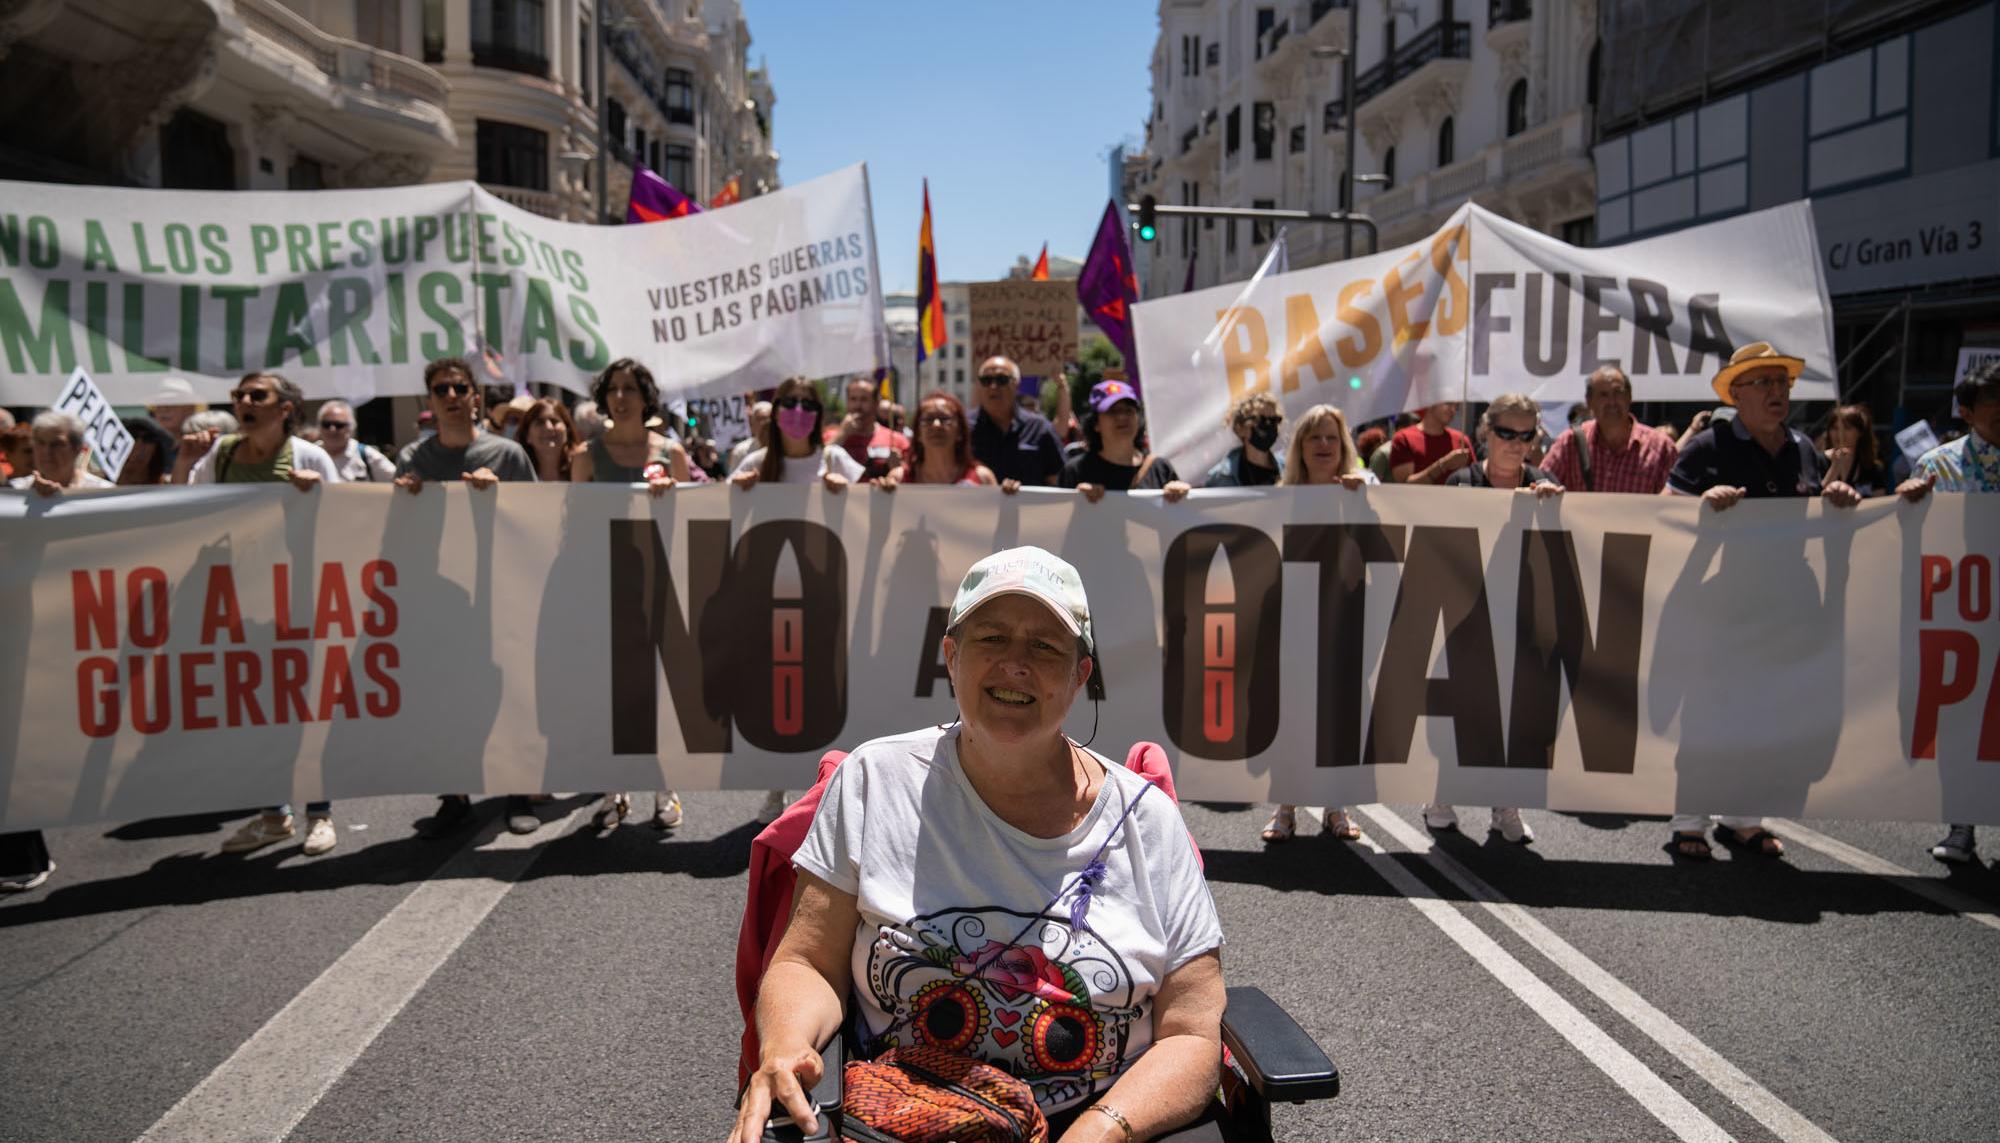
(654, 199)
(1108, 289)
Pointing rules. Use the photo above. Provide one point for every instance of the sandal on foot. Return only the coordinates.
(1759, 841)
(1283, 824)
(1693, 846)
(1339, 825)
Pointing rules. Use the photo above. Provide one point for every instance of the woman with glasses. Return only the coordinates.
(1321, 453)
(791, 451)
(356, 461)
(264, 450)
(941, 450)
(1510, 427)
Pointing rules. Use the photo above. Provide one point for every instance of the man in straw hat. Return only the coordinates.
(1754, 454)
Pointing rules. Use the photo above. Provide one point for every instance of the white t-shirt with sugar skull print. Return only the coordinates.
(945, 887)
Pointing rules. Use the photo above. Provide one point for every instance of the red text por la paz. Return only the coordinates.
(1951, 588)
(158, 690)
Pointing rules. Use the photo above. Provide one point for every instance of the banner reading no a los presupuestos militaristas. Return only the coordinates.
(349, 292)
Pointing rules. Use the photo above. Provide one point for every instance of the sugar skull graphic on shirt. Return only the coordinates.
(1023, 991)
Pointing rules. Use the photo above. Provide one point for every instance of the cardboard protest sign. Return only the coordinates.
(109, 440)
(1032, 322)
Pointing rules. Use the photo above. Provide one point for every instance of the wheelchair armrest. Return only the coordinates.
(825, 1097)
(1282, 1063)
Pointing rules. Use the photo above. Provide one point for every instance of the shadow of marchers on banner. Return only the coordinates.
(1753, 659)
(447, 682)
(248, 752)
(1948, 704)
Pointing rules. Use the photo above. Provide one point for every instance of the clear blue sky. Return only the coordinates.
(1008, 108)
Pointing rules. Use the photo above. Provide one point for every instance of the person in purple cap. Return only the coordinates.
(1114, 428)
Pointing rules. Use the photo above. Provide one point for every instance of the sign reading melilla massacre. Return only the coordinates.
(349, 292)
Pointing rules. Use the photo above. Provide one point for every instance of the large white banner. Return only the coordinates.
(350, 292)
(1484, 307)
(195, 649)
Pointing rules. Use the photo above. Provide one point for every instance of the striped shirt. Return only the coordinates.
(1641, 466)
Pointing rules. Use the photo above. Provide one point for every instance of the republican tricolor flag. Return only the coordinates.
(931, 330)
(654, 199)
(1108, 289)
(730, 194)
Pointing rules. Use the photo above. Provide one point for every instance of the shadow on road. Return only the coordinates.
(199, 878)
(1752, 887)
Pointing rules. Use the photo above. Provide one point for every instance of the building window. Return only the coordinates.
(1229, 237)
(1517, 108)
(511, 155)
(1858, 117)
(1691, 168)
(959, 350)
(639, 153)
(1197, 55)
(680, 165)
(584, 50)
(195, 153)
(511, 34)
(1389, 166)
(1260, 229)
(1264, 130)
(305, 174)
(614, 127)
(1580, 231)
(680, 96)
(1446, 143)
(1187, 55)
(1296, 140)
(1232, 132)
(433, 31)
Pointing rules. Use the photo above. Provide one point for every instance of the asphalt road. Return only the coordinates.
(579, 987)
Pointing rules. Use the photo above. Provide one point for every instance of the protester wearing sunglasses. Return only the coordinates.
(1510, 426)
(792, 452)
(356, 461)
(265, 447)
(1019, 445)
(460, 449)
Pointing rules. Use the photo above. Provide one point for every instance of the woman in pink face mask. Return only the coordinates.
(792, 452)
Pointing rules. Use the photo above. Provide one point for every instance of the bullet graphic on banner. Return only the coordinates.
(1218, 651)
(788, 645)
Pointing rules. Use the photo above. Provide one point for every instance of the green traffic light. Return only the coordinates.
(1147, 233)
(1354, 382)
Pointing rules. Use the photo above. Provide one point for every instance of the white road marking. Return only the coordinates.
(1657, 1096)
(262, 1091)
(1929, 888)
(1776, 1115)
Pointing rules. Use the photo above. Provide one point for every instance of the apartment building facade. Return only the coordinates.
(1455, 100)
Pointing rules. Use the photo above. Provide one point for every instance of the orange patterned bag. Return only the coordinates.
(922, 1094)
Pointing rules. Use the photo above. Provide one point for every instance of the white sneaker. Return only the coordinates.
(1507, 820)
(1437, 815)
(26, 881)
(320, 837)
(667, 810)
(1960, 846)
(260, 831)
(774, 804)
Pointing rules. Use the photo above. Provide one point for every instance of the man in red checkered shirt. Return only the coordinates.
(1624, 455)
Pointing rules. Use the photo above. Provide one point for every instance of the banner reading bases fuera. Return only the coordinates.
(350, 292)
(196, 649)
(1484, 307)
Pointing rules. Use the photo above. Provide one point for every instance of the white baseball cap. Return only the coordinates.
(1032, 572)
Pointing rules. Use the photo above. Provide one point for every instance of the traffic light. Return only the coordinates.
(1147, 228)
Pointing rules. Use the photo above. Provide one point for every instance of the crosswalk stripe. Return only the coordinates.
(270, 1083)
(1776, 1115)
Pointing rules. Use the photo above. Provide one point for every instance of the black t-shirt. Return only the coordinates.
(1026, 450)
(1091, 468)
(1474, 476)
(1725, 456)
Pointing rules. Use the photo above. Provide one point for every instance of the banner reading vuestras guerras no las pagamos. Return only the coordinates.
(1482, 307)
(350, 292)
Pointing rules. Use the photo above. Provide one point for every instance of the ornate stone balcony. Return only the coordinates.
(398, 102)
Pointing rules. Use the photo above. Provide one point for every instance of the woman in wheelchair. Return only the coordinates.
(993, 889)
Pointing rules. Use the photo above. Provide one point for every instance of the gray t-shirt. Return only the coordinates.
(429, 459)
